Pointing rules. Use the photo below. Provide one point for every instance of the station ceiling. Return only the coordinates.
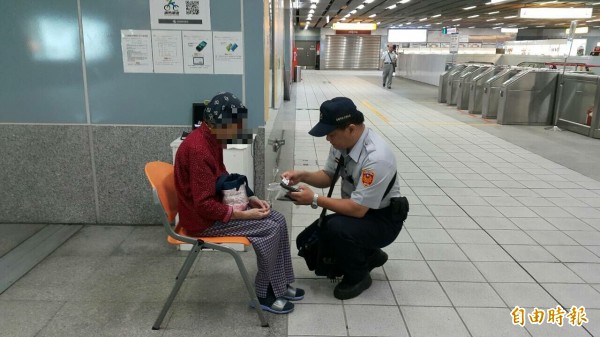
(423, 13)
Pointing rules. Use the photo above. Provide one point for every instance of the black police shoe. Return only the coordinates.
(346, 290)
(377, 259)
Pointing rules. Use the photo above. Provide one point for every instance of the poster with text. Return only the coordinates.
(166, 51)
(197, 52)
(180, 14)
(228, 50)
(136, 46)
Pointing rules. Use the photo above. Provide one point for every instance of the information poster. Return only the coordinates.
(180, 14)
(197, 52)
(166, 51)
(136, 47)
(228, 52)
(453, 44)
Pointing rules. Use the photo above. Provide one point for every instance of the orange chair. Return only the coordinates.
(162, 179)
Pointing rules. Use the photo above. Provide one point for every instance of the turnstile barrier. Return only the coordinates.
(491, 92)
(476, 88)
(444, 78)
(577, 102)
(464, 86)
(528, 98)
(453, 82)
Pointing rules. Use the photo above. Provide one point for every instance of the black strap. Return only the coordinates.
(387, 190)
(340, 162)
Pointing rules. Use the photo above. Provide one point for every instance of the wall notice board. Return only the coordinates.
(42, 75)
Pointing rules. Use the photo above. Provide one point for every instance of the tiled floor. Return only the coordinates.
(492, 226)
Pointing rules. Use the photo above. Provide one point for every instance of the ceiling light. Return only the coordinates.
(458, 19)
(361, 6)
(313, 6)
(353, 12)
(510, 17)
(343, 19)
(437, 15)
(347, 15)
(378, 22)
(495, 12)
(472, 27)
(540, 26)
(311, 11)
(437, 23)
(314, 1)
(391, 7)
(497, 1)
(354, 26)
(578, 30)
(368, 1)
(490, 20)
(423, 19)
(372, 15)
(408, 23)
(472, 16)
(470, 7)
(327, 18)
(556, 13)
(509, 30)
(403, 1)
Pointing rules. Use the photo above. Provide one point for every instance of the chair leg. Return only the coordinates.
(246, 277)
(187, 265)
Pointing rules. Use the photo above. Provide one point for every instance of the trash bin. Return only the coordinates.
(298, 74)
(286, 84)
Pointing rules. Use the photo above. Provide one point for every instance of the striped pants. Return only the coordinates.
(271, 242)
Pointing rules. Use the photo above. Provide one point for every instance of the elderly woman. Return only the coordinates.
(198, 166)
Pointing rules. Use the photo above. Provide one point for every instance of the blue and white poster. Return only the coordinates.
(180, 14)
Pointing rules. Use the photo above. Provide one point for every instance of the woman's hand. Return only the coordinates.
(251, 214)
(255, 202)
(256, 213)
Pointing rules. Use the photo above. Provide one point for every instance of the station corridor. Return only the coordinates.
(500, 217)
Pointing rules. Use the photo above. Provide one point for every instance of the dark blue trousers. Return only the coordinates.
(355, 239)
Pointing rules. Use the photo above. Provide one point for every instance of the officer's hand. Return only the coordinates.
(304, 197)
(294, 177)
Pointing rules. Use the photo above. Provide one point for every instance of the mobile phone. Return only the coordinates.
(288, 187)
(201, 46)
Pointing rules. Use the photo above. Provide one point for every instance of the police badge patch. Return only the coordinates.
(367, 177)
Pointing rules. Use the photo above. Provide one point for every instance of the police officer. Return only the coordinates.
(363, 221)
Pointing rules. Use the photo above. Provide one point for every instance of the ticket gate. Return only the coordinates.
(444, 78)
(491, 92)
(454, 81)
(528, 98)
(464, 85)
(476, 88)
(578, 97)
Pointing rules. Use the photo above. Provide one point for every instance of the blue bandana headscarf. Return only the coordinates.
(220, 110)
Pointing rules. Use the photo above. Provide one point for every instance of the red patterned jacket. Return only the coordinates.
(198, 164)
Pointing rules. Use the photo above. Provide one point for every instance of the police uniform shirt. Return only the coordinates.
(368, 170)
(388, 58)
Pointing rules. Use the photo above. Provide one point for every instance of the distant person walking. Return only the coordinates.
(388, 63)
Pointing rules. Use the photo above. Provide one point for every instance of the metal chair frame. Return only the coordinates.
(168, 209)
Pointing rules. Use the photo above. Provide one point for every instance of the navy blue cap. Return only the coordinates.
(334, 112)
